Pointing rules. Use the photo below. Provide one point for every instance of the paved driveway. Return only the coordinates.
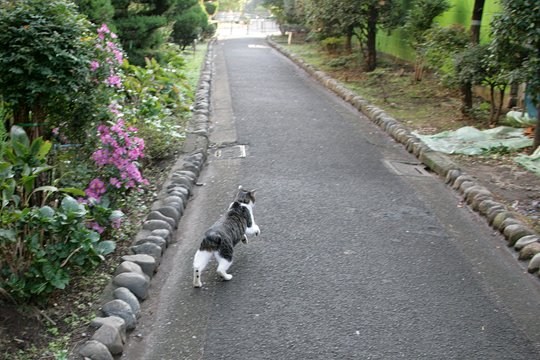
(362, 255)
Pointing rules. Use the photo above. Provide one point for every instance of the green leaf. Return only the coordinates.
(73, 191)
(115, 215)
(19, 148)
(105, 247)
(8, 235)
(46, 188)
(43, 150)
(70, 205)
(47, 211)
(18, 135)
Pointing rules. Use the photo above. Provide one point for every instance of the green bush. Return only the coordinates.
(157, 102)
(189, 26)
(440, 48)
(40, 244)
(211, 7)
(332, 44)
(45, 52)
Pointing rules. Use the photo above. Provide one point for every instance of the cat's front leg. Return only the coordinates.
(245, 239)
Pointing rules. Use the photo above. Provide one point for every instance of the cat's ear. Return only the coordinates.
(240, 187)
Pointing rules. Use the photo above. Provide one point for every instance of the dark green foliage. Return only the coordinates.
(140, 36)
(441, 46)
(97, 11)
(420, 18)
(45, 52)
(189, 26)
(139, 25)
(516, 43)
(40, 245)
(211, 7)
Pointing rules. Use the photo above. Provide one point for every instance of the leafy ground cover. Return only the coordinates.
(428, 108)
(54, 330)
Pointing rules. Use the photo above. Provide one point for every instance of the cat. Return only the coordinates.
(219, 240)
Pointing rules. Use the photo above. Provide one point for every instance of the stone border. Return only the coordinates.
(517, 234)
(132, 277)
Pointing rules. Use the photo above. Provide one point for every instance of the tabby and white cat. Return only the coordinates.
(219, 240)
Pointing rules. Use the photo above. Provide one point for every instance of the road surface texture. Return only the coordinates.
(361, 255)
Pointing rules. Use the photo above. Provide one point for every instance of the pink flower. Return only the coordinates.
(104, 29)
(95, 226)
(115, 182)
(118, 56)
(94, 65)
(114, 80)
(113, 108)
(115, 224)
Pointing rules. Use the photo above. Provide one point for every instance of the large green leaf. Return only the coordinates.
(8, 235)
(47, 211)
(105, 247)
(47, 188)
(18, 135)
(73, 191)
(70, 205)
(43, 150)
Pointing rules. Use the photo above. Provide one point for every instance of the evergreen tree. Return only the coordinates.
(139, 25)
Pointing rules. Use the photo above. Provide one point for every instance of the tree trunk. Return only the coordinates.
(371, 43)
(476, 21)
(467, 98)
(348, 40)
(500, 105)
(30, 118)
(492, 104)
(418, 70)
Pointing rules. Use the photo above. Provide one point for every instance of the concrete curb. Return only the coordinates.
(132, 277)
(480, 199)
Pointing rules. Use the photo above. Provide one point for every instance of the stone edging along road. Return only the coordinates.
(517, 234)
(132, 277)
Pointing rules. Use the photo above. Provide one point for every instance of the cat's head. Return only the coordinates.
(245, 196)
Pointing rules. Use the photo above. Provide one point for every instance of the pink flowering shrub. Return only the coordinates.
(117, 159)
(106, 68)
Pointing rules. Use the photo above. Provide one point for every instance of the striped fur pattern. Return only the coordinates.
(221, 238)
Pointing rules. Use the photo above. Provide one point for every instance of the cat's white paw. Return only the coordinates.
(226, 276)
(197, 283)
(253, 230)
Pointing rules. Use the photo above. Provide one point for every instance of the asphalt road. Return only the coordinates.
(360, 256)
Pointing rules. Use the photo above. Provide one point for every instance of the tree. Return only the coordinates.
(286, 12)
(97, 11)
(516, 42)
(418, 21)
(45, 53)
(361, 19)
(139, 24)
(189, 25)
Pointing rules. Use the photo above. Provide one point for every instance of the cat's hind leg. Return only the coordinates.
(202, 257)
(223, 266)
